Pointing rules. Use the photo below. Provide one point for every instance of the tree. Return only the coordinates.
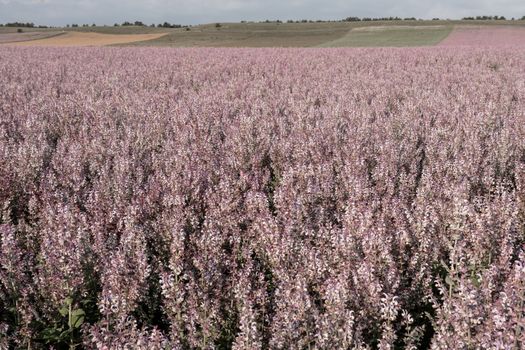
(20, 24)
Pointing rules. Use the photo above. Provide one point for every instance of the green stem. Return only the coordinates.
(71, 346)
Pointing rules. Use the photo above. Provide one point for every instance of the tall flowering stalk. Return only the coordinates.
(263, 198)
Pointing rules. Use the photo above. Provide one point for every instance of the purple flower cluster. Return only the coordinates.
(262, 198)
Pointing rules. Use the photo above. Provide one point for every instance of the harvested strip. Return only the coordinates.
(89, 39)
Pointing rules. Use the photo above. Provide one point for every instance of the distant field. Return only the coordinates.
(122, 30)
(328, 34)
(322, 34)
(253, 35)
(392, 36)
(486, 36)
(96, 29)
(87, 39)
(18, 37)
(7, 30)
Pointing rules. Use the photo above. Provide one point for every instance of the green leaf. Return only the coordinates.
(476, 281)
(51, 334)
(65, 334)
(64, 311)
(77, 318)
(68, 301)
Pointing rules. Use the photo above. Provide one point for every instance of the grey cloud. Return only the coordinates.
(60, 12)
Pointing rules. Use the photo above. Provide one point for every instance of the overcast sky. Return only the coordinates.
(60, 12)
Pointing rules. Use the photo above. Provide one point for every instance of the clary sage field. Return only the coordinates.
(262, 198)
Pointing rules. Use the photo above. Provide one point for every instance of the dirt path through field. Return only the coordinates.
(89, 39)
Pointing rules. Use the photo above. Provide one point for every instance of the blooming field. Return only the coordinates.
(262, 198)
(499, 36)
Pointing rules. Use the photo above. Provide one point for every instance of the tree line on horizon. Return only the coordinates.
(478, 18)
(22, 24)
(173, 25)
(488, 18)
